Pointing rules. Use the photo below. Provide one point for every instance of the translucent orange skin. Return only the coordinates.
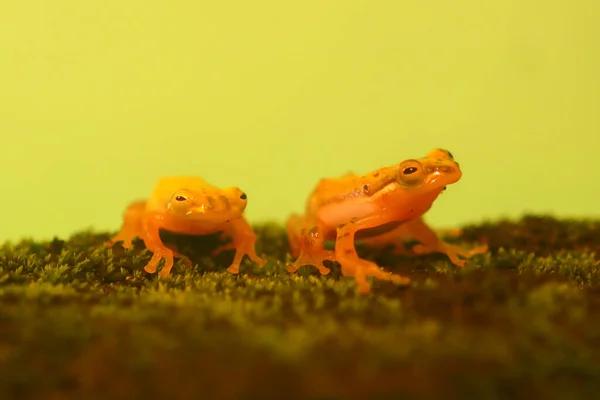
(384, 206)
(188, 205)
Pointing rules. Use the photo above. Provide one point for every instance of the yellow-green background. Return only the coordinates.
(100, 98)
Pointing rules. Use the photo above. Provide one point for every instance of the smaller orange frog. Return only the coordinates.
(384, 206)
(188, 205)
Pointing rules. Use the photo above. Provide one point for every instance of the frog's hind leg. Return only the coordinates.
(307, 245)
(399, 236)
(131, 226)
(431, 243)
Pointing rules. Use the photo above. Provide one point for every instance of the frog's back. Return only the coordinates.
(166, 186)
(346, 187)
(330, 189)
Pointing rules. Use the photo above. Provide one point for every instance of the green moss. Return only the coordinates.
(78, 320)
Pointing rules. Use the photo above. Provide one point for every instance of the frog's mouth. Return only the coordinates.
(215, 213)
(204, 211)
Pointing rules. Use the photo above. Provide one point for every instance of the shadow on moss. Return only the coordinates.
(82, 321)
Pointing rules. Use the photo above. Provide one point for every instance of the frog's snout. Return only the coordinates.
(448, 168)
(444, 173)
(454, 170)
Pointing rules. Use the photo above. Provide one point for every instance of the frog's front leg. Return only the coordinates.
(431, 243)
(244, 243)
(186, 260)
(307, 245)
(351, 264)
(131, 226)
(154, 244)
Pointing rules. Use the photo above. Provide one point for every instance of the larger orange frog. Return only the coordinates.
(188, 205)
(385, 205)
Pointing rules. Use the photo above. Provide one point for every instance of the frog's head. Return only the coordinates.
(430, 173)
(215, 206)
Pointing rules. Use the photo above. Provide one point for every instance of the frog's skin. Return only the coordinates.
(384, 206)
(188, 205)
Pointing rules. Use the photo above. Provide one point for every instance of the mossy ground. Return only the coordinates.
(78, 320)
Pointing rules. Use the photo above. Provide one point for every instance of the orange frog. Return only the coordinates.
(188, 205)
(384, 206)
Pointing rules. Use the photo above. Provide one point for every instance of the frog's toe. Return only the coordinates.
(323, 270)
(315, 260)
(362, 284)
(371, 269)
(166, 269)
(163, 274)
(233, 269)
(478, 250)
(454, 251)
(453, 256)
(303, 261)
(294, 267)
(260, 261)
(458, 262)
(400, 280)
(153, 263)
(151, 269)
(186, 261)
(364, 288)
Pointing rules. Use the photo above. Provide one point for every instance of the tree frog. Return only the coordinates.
(188, 205)
(383, 206)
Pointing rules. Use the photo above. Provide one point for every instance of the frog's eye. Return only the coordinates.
(449, 154)
(410, 172)
(243, 196)
(181, 196)
(440, 154)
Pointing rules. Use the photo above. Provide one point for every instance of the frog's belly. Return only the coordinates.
(194, 227)
(335, 214)
(332, 216)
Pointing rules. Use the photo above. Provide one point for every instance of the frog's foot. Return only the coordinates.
(241, 249)
(452, 251)
(159, 255)
(186, 260)
(177, 254)
(451, 232)
(127, 241)
(308, 246)
(314, 258)
(361, 269)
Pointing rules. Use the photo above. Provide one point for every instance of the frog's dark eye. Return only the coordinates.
(181, 198)
(450, 154)
(409, 170)
(243, 196)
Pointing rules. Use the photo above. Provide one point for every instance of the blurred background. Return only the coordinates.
(99, 99)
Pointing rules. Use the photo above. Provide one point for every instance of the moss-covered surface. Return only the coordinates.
(78, 320)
